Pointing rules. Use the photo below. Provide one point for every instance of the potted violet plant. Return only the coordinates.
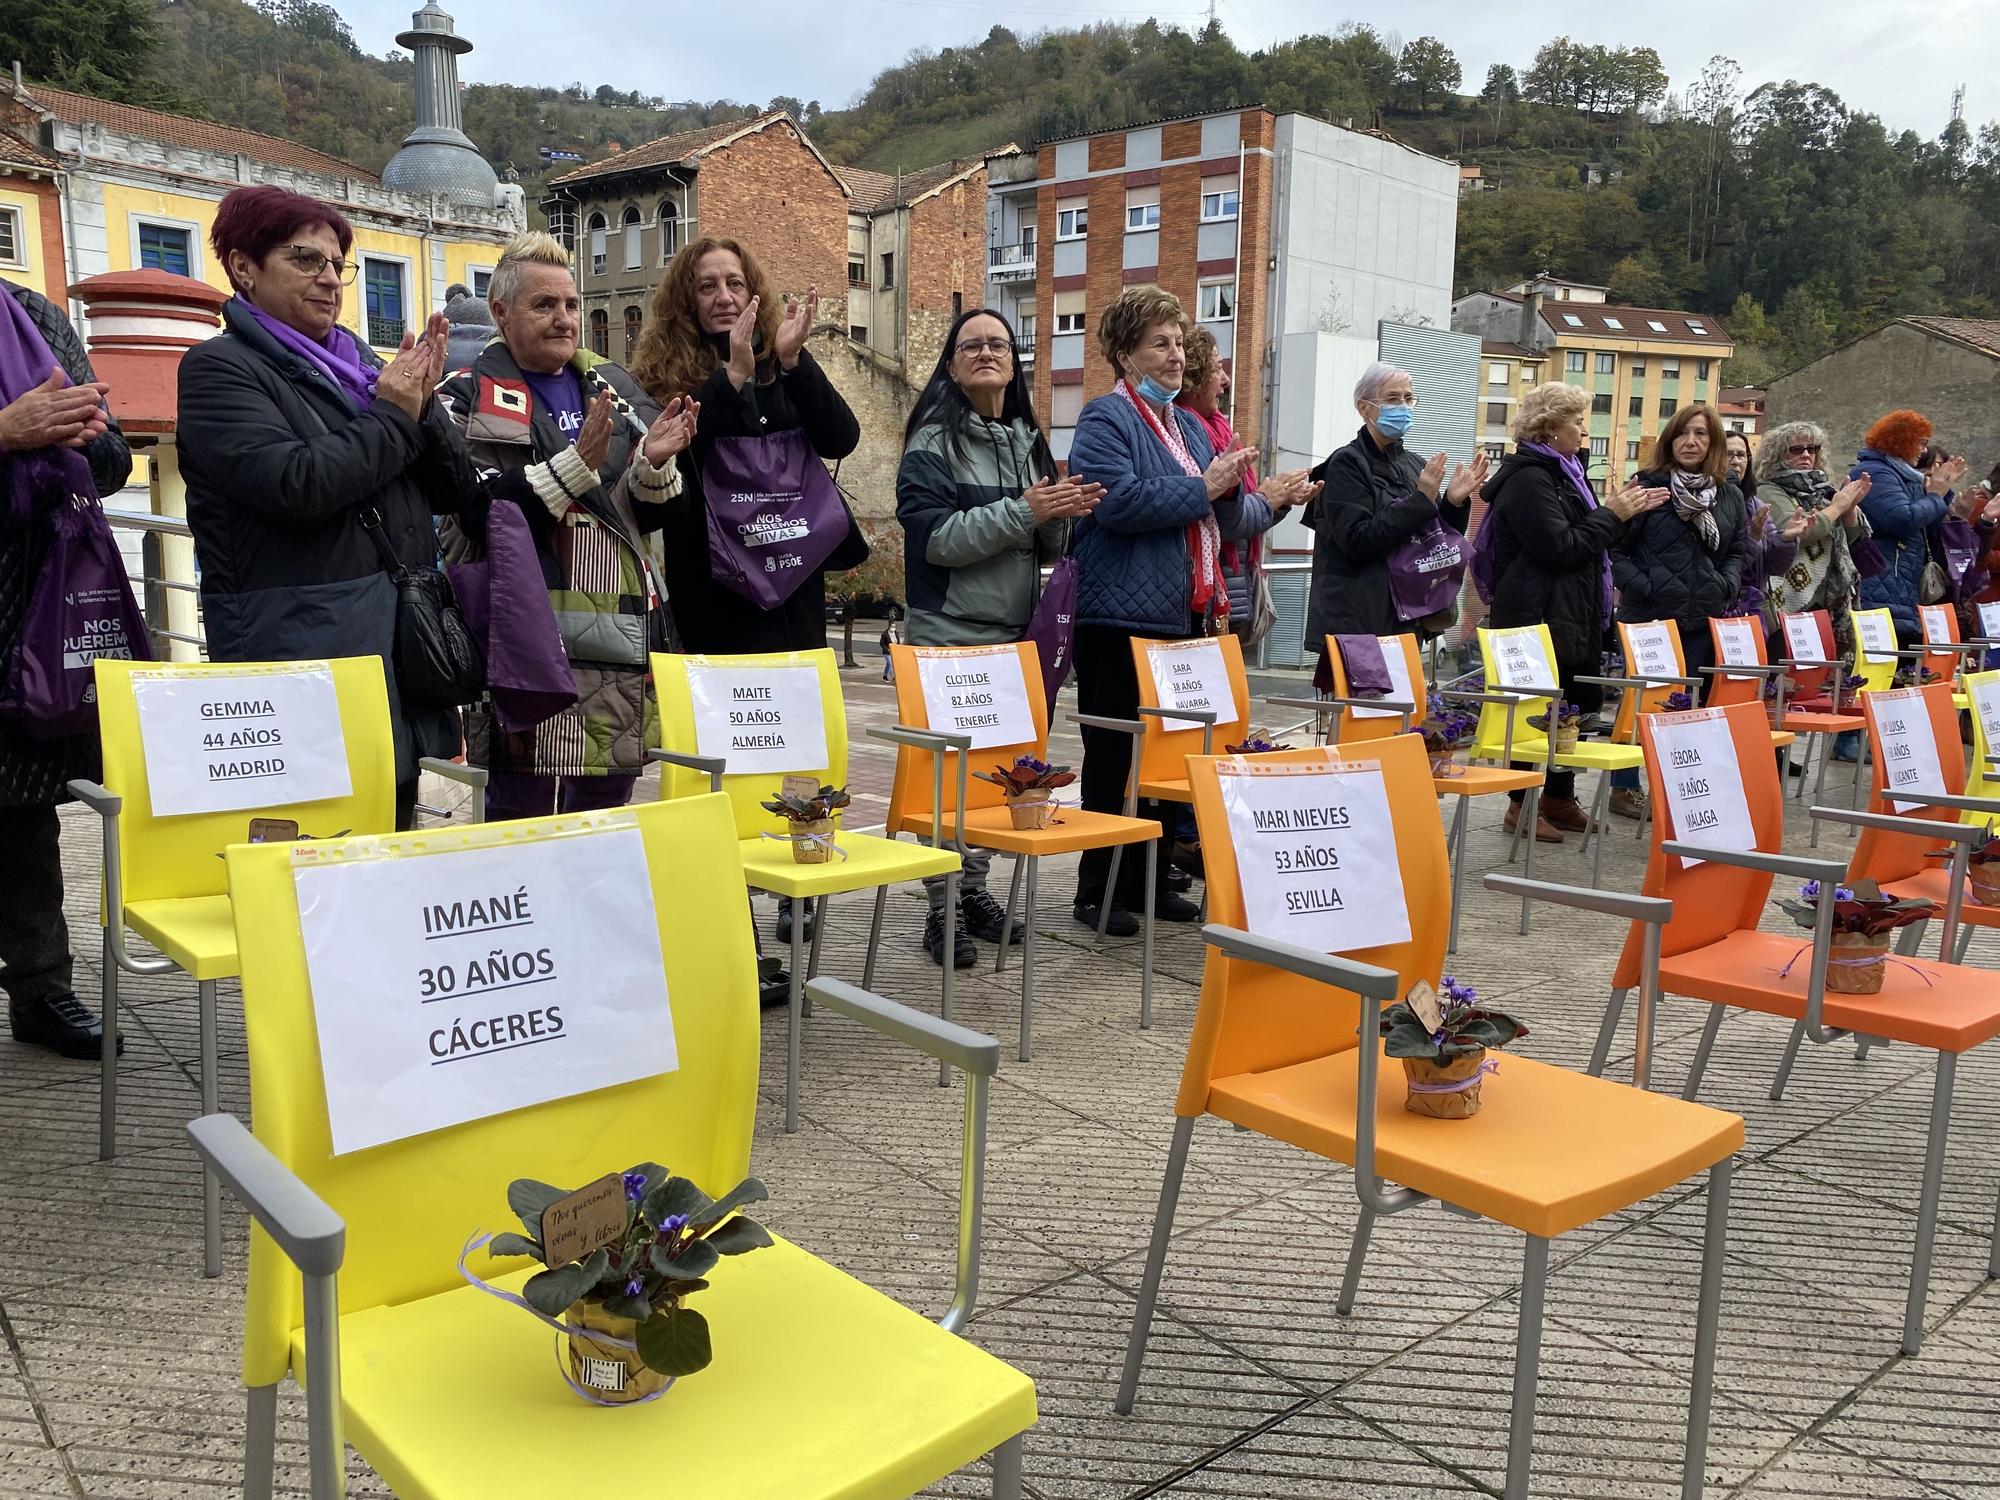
(1446, 731)
(1256, 744)
(1442, 1039)
(1863, 918)
(1569, 721)
(1982, 869)
(1028, 784)
(810, 814)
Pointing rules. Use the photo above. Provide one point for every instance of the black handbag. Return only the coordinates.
(438, 659)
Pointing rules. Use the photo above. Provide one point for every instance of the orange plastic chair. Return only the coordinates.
(1821, 705)
(1163, 752)
(1549, 1151)
(922, 798)
(1714, 951)
(1945, 652)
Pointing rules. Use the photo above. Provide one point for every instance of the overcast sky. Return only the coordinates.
(1895, 58)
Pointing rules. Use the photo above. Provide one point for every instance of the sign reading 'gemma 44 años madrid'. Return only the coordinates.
(224, 741)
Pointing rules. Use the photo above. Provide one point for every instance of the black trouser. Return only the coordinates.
(1107, 684)
(35, 961)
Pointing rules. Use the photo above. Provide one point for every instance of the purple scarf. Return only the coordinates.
(338, 357)
(1573, 467)
(39, 480)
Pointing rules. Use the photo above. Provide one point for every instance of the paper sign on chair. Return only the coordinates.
(1909, 747)
(1523, 665)
(979, 692)
(1397, 661)
(1802, 635)
(449, 987)
(1191, 674)
(1703, 781)
(1653, 655)
(1738, 642)
(224, 741)
(1876, 634)
(761, 720)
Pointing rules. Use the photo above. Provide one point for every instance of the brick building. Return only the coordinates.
(916, 257)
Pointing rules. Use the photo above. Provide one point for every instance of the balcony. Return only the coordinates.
(385, 333)
(1011, 262)
(1024, 351)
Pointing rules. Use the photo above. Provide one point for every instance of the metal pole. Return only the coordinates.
(1527, 1368)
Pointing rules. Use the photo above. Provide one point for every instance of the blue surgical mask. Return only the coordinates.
(1394, 421)
(1151, 390)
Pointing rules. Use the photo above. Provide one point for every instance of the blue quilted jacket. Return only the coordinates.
(1132, 551)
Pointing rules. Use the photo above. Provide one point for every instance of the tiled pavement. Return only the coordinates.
(118, 1373)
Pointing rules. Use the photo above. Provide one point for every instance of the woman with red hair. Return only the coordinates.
(1901, 505)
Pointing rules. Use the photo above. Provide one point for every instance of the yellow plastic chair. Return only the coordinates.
(868, 862)
(820, 1387)
(1876, 667)
(1982, 776)
(163, 880)
(1274, 1051)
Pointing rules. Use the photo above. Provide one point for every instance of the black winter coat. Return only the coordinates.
(1663, 571)
(1371, 506)
(279, 467)
(1548, 559)
(709, 616)
(35, 773)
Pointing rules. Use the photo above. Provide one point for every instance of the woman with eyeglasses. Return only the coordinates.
(982, 508)
(1822, 574)
(305, 454)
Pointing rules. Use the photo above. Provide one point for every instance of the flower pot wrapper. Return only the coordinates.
(1985, 882)
(1566, 737)
(812, 843)
(1446, 1091)
(1443, 1040)
(1863, 920)
(1034, 808)
(603, 1365)
(1858, 964)
(1029, 784)
(808, 810)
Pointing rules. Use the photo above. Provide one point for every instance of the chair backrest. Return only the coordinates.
(1814, 627)
(1874, 646)
(1651, 648)
(1519, 659)
(1910, 730)
(910, 793)
(1981, 780)
(411, 1204)
(1710, 900)
(1736, 639)
(162, 856)
(733, 707)
(1252, 1018)
(1939, 624)
(1355, 726)
(1163, 752)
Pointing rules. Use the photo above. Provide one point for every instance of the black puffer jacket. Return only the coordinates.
(1371, 506)
(1663, 571)
(1548, 559)
(279, 466)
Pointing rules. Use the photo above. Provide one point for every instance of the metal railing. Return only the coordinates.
(154, 585)
(1019, 258)
(386, 333)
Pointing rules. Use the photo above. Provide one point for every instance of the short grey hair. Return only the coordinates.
(1375, 380)
(1770, 460)
(534, 248)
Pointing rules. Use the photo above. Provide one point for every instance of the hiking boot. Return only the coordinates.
(1187, 856)
(1545, 831)
(61, 1024)
(963, 954)
(984, 917)
(782, 929)
(1627, 802)
(1566, 813)
(1121, 923)
(1168, 907)
(774, 985)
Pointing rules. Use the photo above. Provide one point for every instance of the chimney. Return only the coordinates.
(1531, 313)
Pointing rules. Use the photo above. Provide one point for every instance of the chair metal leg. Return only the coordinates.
(1028, 958)
(819, 915)
(1785, 1063)
(874, 937)
(794, 1011)
(211, 1188)
(1598, 811)
(326, 1450)
(1993, 1257)
(1007, 923)
(1527, 1367)
(1964, 942)
(947, 950)
(107, 1088)
(1357, 1253)
(1708, 1317)
(1701, 1052)
(1458, 823)
(1156, 1262)
(1146, 937)
(1531, 812)
(1007, 1469)
(1607, 1032)
(260, 1442)
(1911, 938)
(1110, 885)
(1927, 1202)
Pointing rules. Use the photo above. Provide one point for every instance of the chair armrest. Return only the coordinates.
(472, 777)
(978, 1056)
(1387, 705)
(1990, 805)
(108, 807)
(711, 766)
(1955, 833)
(1655, 909)
(1963, 648)
(1641, 683)
(920, 739)
(1315, 705)
(1745, 669)
(313, 1236)
(946, 746)
(1756, 859)
(96, 798)
(1366, 980)
(1502, 698)
(1099, 721)
(1191, 715)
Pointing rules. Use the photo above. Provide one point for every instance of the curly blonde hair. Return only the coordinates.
(1203, 355)
(673, 356)
(1134, 310)
(1551, 402)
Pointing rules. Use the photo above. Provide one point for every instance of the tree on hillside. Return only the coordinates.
(109, 48)
(1502, 89)
(1553, 77)
(1428, 70)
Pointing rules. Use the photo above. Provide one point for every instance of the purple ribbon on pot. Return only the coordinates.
(1849, 963)
(808, 838)
(479, 1242)
(1491, 1065)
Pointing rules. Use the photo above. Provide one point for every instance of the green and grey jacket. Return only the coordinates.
(971, 549)
(590, 535)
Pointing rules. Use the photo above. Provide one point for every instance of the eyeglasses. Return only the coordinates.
(1800, 450)
(311, 262)
(970, 347)
(1393, 400)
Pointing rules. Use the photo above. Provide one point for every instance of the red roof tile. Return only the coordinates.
(16, 152)
(668, 149)
(202, 135)
(1609, 320)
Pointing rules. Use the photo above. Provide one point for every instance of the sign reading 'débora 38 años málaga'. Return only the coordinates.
(472, 981)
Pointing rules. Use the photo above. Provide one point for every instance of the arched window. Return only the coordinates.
(670, 229)
(631, 222)
(632, 320)
(600, 332)
(598, 231)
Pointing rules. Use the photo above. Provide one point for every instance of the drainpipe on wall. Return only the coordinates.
(1235, 325)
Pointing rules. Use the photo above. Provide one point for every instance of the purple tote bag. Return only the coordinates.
(774, 515)
(1962, 551)
(1425, 572)
(81, 608)
(1053, 626)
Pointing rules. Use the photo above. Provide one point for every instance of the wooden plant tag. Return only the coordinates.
(1426, 1007)
(587, 1219)
(274, 830)
(805, 788)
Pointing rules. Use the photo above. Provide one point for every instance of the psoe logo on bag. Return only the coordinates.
(782, 561)
(768, 531)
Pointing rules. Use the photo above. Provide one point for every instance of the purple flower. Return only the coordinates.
(1679, 703)
(635, 1186)
(1842, 893)
(673, 1223)
(635, 1286)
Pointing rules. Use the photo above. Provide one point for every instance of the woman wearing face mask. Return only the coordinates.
(981, 508)
(716, 331)
(1772, 547)
(1378, 496)
(1149, 558)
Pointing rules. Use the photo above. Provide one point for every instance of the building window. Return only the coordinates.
(1065, 405)
(632, 223)
(1668, 406)
(598, 230)
(1069, 312)
(1631, 450)
(1701, 369)
(1600, 447)
(1496, 414)
(1611, 322)
(1656, 325)
(1600, 404)
(1215, 301)
(633, 319)
(1670, 369)
(1496, 451)
(600, 333)
(1024, 337)
(1699, 330)
(562, 224)
(162, 247)
(482, 282)
(1637, 369)
(11, 251)
(1573, 361)
(1496, 374)
(1635, 407)
(856, 332)
(670, 229)
(1142, 216)
(1219, 205)
(888, 282)
(382, 291)
(1607, 364)
(1572, 320)
(857, 270)
(1073, 223)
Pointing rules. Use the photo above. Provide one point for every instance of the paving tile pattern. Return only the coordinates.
(118, 1362)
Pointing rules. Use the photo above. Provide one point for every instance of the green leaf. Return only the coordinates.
(513, 1244)
(737, 1236)
(674, 1342)
(697, 1258)
(674, 1196)
(749, 1190)
(638, 1309)
(552, 1291)
(528, 1198)
(1409, 1040)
